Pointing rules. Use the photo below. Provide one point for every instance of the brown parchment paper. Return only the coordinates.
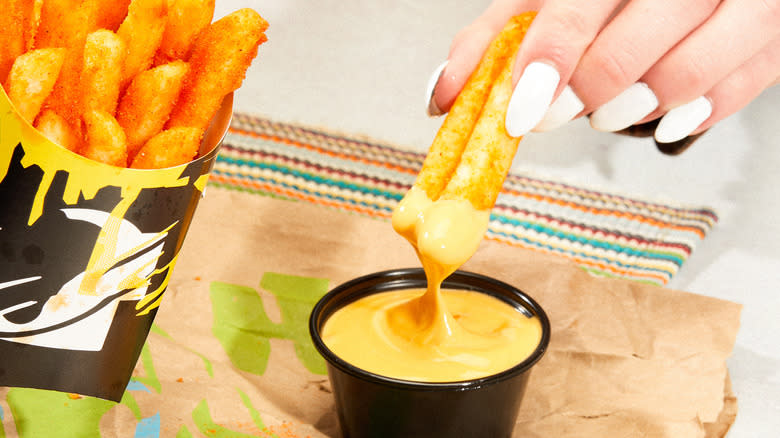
(626, 359)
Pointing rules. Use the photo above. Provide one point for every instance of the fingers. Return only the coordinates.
(607, 78)
(732, 35)
(559, 36)
(725, 98)
(626, 62)
(466, 51)
(614, 62)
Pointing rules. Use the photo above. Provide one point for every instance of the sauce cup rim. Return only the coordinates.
(406, 278)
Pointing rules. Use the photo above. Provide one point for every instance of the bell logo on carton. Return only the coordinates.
(36, 312)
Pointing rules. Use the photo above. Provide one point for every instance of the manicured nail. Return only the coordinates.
(430, 104)
(627, 108)
(680, 122)
(562, 110)
(531, 98)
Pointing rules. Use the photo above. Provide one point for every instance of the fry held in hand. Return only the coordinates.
(148, 103)
(169, 148)
(220, 57)
(467, 162)
(32, 79)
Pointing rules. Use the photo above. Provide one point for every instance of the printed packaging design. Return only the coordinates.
(86, 253)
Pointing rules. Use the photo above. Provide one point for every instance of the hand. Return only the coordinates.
(625, 62)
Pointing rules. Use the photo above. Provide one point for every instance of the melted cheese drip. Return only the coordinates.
(434, 335)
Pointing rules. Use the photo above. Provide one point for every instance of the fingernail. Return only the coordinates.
(430, 104)
(562, 110)
(680, 122)
(531, 98)
(627, 108)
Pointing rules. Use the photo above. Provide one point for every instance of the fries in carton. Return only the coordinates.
(93, 214)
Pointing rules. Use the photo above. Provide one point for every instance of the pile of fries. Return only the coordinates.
(130, 83)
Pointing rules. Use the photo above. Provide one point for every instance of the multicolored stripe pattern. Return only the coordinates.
(605, 233)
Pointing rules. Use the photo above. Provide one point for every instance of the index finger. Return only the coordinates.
(470, 44)
(560, 34)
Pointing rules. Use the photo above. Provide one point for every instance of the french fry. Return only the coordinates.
(185, 20)
(63, 23)
(32, 79)
(148, 103)
(33, 21)
(468, 160)
(169, 148)
(14, 22)
(56, 129)
(453, 135)
(104, 56)
(110, 14)
(220, 57)
(489, 153)
(91, 89)
(66, 23)
(106, 141)
(142, 31)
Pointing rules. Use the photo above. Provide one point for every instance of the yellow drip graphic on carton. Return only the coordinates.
(85, 178)
(156, 297)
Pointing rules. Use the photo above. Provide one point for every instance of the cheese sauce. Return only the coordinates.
(434, 335)
(488, 336)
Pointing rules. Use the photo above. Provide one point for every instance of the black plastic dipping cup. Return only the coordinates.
(370, 405)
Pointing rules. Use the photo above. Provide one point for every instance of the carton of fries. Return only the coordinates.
(107, 139)
(87, 252)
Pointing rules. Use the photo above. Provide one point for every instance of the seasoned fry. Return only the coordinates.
(220, 57)
(169, 148)
(106, 142)
(34, 19)
(14, 22)
(488, 155)
(468, 161)
(56, 129)
(104, 56)
(185, 20)
(32, 79)
(110, 14)
(63, 23)
(79, 70)
(142, 31)
(66, 23)
(148, 103)
(448, 145)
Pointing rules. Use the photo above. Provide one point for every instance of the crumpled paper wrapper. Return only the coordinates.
(625, 358)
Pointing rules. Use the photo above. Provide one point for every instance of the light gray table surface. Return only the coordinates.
(361, 67)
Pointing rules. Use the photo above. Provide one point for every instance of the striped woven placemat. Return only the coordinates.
(604, 233)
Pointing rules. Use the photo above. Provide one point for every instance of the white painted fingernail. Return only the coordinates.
(679, 122)
(531, 98)
(562, 110)
(627, 108)
(430, 104)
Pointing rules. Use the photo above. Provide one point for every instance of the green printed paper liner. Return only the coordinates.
(86, 253)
